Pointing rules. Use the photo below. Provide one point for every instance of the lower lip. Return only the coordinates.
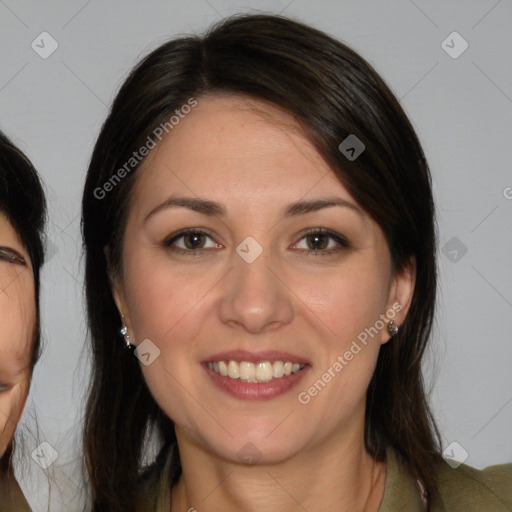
(256, 390)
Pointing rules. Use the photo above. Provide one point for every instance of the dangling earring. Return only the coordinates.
(392, 328)
(124, 332)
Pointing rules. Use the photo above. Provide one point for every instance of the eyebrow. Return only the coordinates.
(213, 208)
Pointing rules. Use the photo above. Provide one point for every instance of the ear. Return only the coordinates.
(117, 288)
(400, 295)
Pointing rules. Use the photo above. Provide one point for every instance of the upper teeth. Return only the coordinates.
(250, 372)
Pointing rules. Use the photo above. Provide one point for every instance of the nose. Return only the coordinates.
(255, 296)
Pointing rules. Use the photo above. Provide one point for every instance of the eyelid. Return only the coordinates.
(342, 243)
(168, 241)
(12, 256)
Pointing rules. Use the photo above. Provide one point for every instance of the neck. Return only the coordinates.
(338, 475)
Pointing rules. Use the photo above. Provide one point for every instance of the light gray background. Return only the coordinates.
(461, 108)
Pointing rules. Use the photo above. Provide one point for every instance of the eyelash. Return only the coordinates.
(339, 239)
(7, 254)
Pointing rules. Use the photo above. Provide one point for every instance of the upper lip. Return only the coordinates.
(257, 357)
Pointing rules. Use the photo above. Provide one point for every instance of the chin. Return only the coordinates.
(255, 447)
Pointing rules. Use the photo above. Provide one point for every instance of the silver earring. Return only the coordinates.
(124, 332)
(392, 328)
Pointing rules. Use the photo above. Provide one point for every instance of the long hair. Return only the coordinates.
(333, 93)
(23, 204)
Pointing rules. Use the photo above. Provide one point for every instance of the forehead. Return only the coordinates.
(240, 145)
(9, 236)
(229, 119)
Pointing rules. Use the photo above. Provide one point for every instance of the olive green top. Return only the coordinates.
(11, 496)
(463, 489)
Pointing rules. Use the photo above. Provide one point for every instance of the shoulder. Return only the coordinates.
(463, 489)
(11, 496)
(467, 489)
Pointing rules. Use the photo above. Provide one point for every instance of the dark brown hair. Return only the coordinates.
(332, 92)
(23, 204)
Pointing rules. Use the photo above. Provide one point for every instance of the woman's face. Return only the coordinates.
(17, 321)
(252, 288)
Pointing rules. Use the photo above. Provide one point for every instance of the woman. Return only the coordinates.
(22, 218)
(258, 224)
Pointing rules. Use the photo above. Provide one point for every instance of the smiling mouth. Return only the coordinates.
(264, 371)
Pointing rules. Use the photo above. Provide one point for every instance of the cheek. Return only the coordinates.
(11, 408)
(349, 304)
(17, 314)
(17, 320)
(162, 299)
(16, 330)
(348, 301)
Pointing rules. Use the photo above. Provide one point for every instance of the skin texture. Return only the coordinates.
(17, 321)
(253, 159)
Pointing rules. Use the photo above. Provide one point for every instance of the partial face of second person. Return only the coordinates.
(17, 321)
(311, 304)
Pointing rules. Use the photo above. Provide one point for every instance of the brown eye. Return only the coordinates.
(189, 241)
(193, 240)
(318, 241)
(322, 241)
(12, 256)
